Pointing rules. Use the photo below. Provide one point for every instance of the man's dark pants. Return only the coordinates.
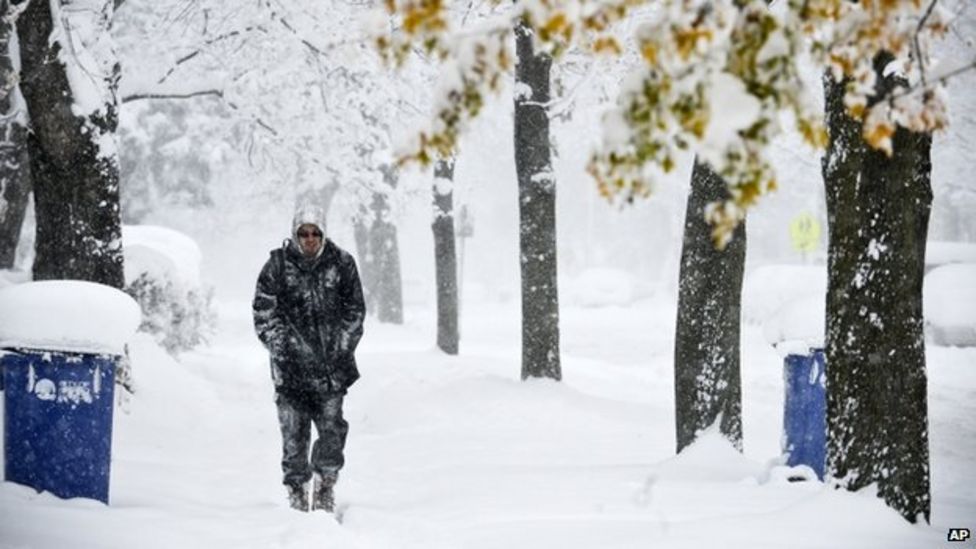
(297, 411)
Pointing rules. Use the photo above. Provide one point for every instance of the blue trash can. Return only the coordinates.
(58, 421)
(805, 410)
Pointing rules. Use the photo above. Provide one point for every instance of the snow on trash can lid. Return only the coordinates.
(797, 326)
(67, 315)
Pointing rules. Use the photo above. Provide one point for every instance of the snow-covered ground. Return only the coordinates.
(456, 452)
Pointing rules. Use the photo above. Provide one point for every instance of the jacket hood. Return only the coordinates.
(307, 214)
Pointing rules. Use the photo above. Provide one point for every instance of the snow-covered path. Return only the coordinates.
(456, 452)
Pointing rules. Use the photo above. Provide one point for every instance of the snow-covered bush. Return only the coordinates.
(162, 273)
(950, 305)
(767, 289)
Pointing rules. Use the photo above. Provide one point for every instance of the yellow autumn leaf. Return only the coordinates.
(413, 19)
(649, 53)
(891, 5)
(667, 164)
(686, 40)
(607, 45)
(843, 63)
(857, 110)
(815, 134)
(555, 25)
(878, 136)
(748, 194)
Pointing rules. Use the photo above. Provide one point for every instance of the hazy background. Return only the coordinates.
(191, 165)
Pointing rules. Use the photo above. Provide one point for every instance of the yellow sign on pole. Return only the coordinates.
(805, 232)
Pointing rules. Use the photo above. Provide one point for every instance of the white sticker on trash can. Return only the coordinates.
(74, 392)
(65, 391)
(31, 378)
(45, 389)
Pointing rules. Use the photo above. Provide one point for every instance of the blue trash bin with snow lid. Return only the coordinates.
(805, 410)
(60, 343)
(797, 332)
(58, 421)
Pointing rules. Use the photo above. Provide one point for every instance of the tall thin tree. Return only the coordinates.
(878, 212)
(379, 254)
(707, 383)
(537, 211)
(74, 162)
(14, 162)
(445, 257)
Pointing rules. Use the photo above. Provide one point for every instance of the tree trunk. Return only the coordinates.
(379, 256)
(707, 384)
(74, 163)
(14, 162)
(445, 257)
(878, 213)
(537, 212)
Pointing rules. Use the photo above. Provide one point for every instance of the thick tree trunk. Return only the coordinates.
(379, 256)
(707, 384)
(878, 213)
(445, 257)
(14, 162)
(74, 169)
(537, 213)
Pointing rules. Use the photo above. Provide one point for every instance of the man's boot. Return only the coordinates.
(322, 496)
(298, 497)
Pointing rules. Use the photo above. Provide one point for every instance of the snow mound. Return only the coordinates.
(798, 326)
(67, 315)
(9, 277)
(601, 287)
(950, 304)
(711, 458)
(162, 253)
(943, 253)
(768, 288)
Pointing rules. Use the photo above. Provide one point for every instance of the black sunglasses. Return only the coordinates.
(306, 234)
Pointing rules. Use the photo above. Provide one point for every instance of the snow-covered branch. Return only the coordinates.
(714, 77)
(188, 95)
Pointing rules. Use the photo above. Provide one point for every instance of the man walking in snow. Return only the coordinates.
(308, 311)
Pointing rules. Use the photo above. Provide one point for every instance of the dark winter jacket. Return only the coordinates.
(309, 314)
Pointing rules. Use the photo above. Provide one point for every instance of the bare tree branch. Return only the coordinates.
(144, 96)
(917, 46)
(941, 79)
(209, 42)
(318, 50)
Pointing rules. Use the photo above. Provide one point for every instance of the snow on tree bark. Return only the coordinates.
(537, 212)
(878, 213)
(14, 162)
(74, 161)
(707, 384)
(445, 257)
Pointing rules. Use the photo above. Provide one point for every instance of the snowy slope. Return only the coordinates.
(458, 453)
